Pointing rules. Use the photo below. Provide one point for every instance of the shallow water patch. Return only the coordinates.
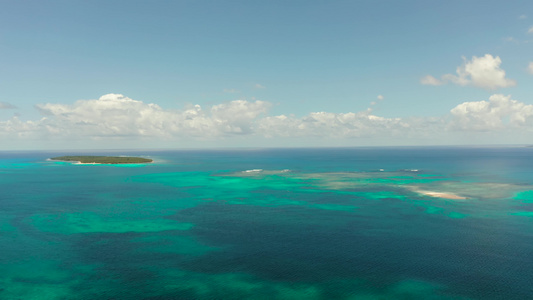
(86, 222)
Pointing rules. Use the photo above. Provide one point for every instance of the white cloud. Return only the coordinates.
(380, 97)
(522, 17)
(498, 113)
(430, 80)
(237, 116)
(331, 125)
(530, 67)
(114, 117)
(5, 105)
(259, 86)
(530, 30)
(483, 72)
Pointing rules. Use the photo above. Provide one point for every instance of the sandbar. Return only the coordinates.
(441, 195)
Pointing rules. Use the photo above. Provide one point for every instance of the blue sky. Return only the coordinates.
(264, 73)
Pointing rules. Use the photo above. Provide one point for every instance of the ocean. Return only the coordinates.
(347, 223)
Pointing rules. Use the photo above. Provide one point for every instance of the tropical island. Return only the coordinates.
(104, 159)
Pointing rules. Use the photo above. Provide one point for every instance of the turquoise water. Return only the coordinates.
(270, 224)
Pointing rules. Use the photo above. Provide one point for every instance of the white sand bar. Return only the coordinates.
(441, 195)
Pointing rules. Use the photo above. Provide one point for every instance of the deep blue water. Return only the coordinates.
(270, 224)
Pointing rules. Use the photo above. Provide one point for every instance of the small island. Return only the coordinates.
(104, 159)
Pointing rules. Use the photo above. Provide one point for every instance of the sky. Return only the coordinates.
(204, 74)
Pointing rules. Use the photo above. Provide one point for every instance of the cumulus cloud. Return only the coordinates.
(117, 117)
(259, 86)
(5, 105)
(327, 124)
(498, 113)
(237, 116)
(483, 72)
(530, 67)
(430, 80)
(522, 17)
(380, 97)
(530, 30)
